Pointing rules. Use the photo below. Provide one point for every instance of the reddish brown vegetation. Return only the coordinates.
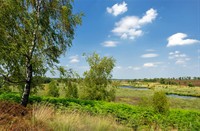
(186, 82)
(14, 117)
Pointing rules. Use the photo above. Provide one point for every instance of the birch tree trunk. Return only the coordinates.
(27, 88)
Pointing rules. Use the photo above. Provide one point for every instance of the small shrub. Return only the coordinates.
(71, 90)
(190, 85)
(110, 94)
(53, 89)
(160, 102)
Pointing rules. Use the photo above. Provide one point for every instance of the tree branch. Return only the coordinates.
(6, 78)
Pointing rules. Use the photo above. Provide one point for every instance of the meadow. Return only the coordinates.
(144, 98)
(131, 110)
(170, 89)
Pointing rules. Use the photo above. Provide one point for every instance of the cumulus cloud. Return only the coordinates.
(179, 39)
(180, 58)
(148, 17)
(74, 59)
(110, 43)
(129, 27)
(150, 55)
(117, 9)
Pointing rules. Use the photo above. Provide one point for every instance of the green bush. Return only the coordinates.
(53, 89)
(14, 97)
(190, 85)
(71, 90)
(132, 116)
(160, 102)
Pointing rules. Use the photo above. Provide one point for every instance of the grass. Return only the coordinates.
(75, 114)
(74, 120)
(47, 117)
(144, 98)
(173, 89)
(135, 117)
(126, 92)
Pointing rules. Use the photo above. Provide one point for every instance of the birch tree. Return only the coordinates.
(33, 35)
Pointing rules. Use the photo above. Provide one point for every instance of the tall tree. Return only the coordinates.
(98, 78)
(34, 33)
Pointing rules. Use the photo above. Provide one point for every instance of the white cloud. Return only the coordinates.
(178, 39)
(129, 27)
(180, 58)
(152, 64)
(117, 9)
(74, 59)
(134, 68)
(124, 36)
(149, 65)
(148, 17)
(150, 55)
(110, 43)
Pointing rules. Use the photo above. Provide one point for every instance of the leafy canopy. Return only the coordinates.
(36, 33)
(99, 76)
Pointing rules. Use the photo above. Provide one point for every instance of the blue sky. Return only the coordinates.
(148, 38)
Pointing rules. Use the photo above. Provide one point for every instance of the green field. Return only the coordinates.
(135, 117)
(143, 97)
(131, 109)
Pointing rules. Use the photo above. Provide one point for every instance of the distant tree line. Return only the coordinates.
(187, 81)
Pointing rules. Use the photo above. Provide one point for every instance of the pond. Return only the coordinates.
(134, 88)
(182, 96)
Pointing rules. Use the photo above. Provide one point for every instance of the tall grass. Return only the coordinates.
(73, 120)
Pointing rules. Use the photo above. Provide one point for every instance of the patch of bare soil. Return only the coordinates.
(15, 117)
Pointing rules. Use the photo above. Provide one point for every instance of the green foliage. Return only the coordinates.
(71, 90)
(14, 97)
(1, 82)
(160, 102)
(190, 85)
(97, 79)
(162, 81)
(53, 89)
(34, 34)
(35, 30)
(132, 116)
(4, 89)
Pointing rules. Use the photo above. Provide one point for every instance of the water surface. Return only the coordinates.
(182, 96)
(135, 88)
